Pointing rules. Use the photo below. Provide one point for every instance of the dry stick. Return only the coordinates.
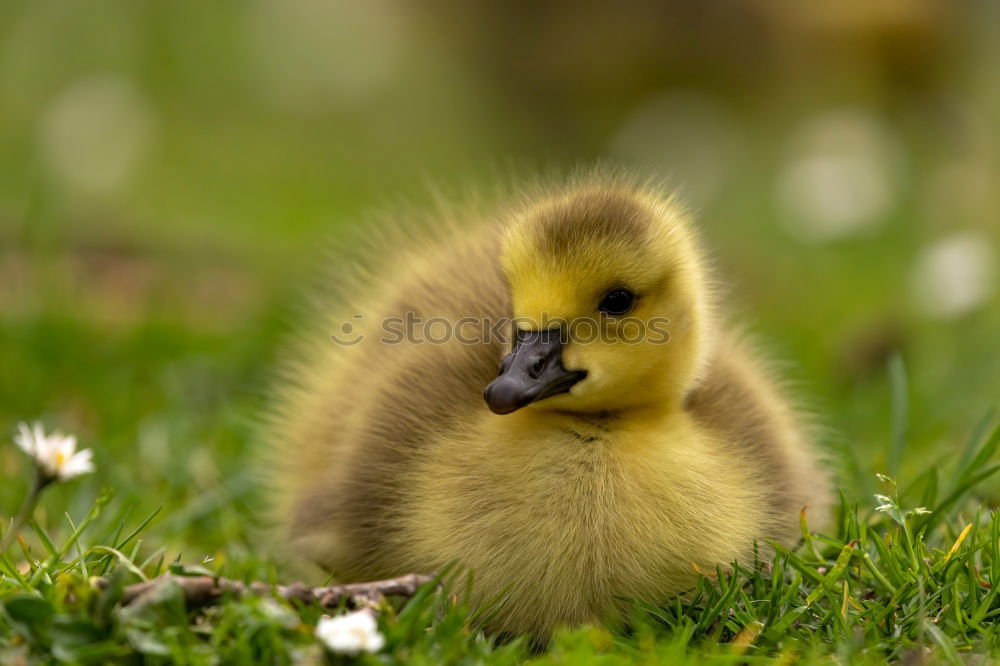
(206, 590)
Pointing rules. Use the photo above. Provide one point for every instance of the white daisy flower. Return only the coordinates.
(55, 454)
(351, 634)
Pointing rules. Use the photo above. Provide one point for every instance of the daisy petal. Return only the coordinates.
(79, 464)
(24, 439)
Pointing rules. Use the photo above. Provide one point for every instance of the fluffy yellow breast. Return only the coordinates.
(569, 514)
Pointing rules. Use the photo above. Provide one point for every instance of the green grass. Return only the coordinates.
(886, 584)
(166, 383)
(916, 577)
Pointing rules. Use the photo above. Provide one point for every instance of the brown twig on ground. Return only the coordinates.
(206, 590)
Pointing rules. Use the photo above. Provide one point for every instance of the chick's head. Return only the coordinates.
(610, 303)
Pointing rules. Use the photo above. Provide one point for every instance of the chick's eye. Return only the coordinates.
(617, 302)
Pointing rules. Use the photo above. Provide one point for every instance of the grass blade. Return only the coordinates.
(900, 413)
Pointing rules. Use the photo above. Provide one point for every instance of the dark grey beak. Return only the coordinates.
(532, 371)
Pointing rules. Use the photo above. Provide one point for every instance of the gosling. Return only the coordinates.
(589, 471)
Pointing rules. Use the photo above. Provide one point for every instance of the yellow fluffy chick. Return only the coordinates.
(628, 440)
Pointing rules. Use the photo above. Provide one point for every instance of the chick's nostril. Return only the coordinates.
(505, 363)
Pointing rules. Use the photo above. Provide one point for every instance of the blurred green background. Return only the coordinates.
(169, 169)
